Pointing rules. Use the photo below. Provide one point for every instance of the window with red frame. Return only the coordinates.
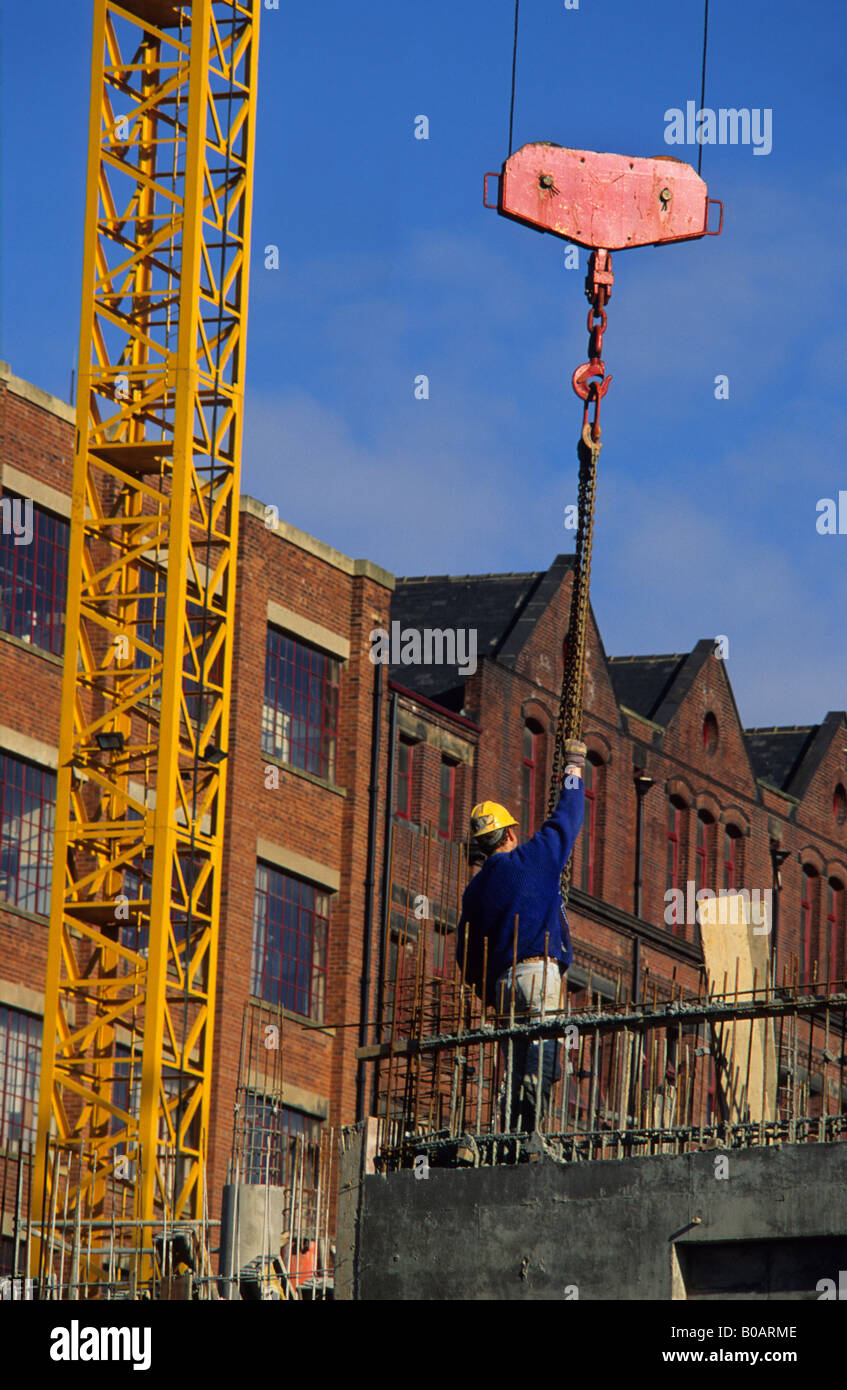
(731, 866)
(673, 837)
(589, 877)
(34, 577)
(403, 788)
(703, 851)
(300, 713)
(529, 769)
(446, 798)
(834, 965)
(277, 1140)
(20, 1070)
(443, 944)
(27, 812)
(808, 892)
(290, 925)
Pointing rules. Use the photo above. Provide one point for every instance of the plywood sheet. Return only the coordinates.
(738, 956)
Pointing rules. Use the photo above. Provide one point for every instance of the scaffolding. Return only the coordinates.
(68, 1250)
(296, 1163)
(705, 1068)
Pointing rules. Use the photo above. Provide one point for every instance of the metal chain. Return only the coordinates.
(569, 724)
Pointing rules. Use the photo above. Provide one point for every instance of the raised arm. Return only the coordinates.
(549, 849)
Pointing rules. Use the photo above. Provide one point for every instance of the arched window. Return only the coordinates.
(446, 798)
(834, 965)
(731, 856)
(808, 918)
(704, 851)
(710, 733)
(839, 804)
(530, 771)
(675, 851)
(590, 880)
(403, 789)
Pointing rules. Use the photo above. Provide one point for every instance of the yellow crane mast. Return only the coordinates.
(130, 993)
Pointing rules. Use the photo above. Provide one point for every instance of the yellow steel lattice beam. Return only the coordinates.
(139, 826)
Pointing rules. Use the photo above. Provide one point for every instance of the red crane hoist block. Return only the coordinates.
(612, 201)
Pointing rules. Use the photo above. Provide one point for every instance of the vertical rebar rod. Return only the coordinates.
(592, 1101)
(539, 1085)
(18, 1239)
(300, 1210)
(794, 1069)
(318, 1193)
(73, 1290)
(510, 1049)
(64, 1228)
(326, 1212)
(54, 1197)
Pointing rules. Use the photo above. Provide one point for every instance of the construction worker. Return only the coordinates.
(522, 882)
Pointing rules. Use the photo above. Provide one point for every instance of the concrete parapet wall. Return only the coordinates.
(642, 1228)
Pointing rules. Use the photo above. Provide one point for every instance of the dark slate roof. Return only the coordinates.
(655, 686)
(642, 682)
(776, 753)
(501, 608)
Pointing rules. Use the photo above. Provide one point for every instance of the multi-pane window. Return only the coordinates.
(137, 885)
(27, 808)
(274, 1137)
(290, 923)
(591, 779)
(126, 1092)
(529, 769)
(403, 791)
(834, 963)
(150, 628)
(150, 612)
(135, 934)
(33, 574)
(808, 924)
(277, 1140)
(300, 713)
(674, 850)
(20, 1067)
(446, 798)
(731, 866)
(703, 851)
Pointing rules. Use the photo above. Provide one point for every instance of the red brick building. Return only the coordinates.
(350, 787)
(679, 796)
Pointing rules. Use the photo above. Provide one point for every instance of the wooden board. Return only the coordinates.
(734, 952)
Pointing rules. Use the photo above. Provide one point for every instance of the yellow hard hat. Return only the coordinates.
(488, 816)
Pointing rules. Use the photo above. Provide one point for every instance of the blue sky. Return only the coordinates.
(390, 267)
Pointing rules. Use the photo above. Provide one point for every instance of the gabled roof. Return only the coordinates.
(640, 682)
(502, 608)
(788, 756)
(776, 752)
(655, 686)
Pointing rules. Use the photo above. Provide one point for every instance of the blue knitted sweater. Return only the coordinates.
(523, 882)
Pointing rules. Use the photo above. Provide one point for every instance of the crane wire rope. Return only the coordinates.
(703, 80)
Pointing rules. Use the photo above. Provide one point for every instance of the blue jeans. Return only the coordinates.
(536, 997)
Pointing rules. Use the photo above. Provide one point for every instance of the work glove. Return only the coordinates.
(575, 751)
